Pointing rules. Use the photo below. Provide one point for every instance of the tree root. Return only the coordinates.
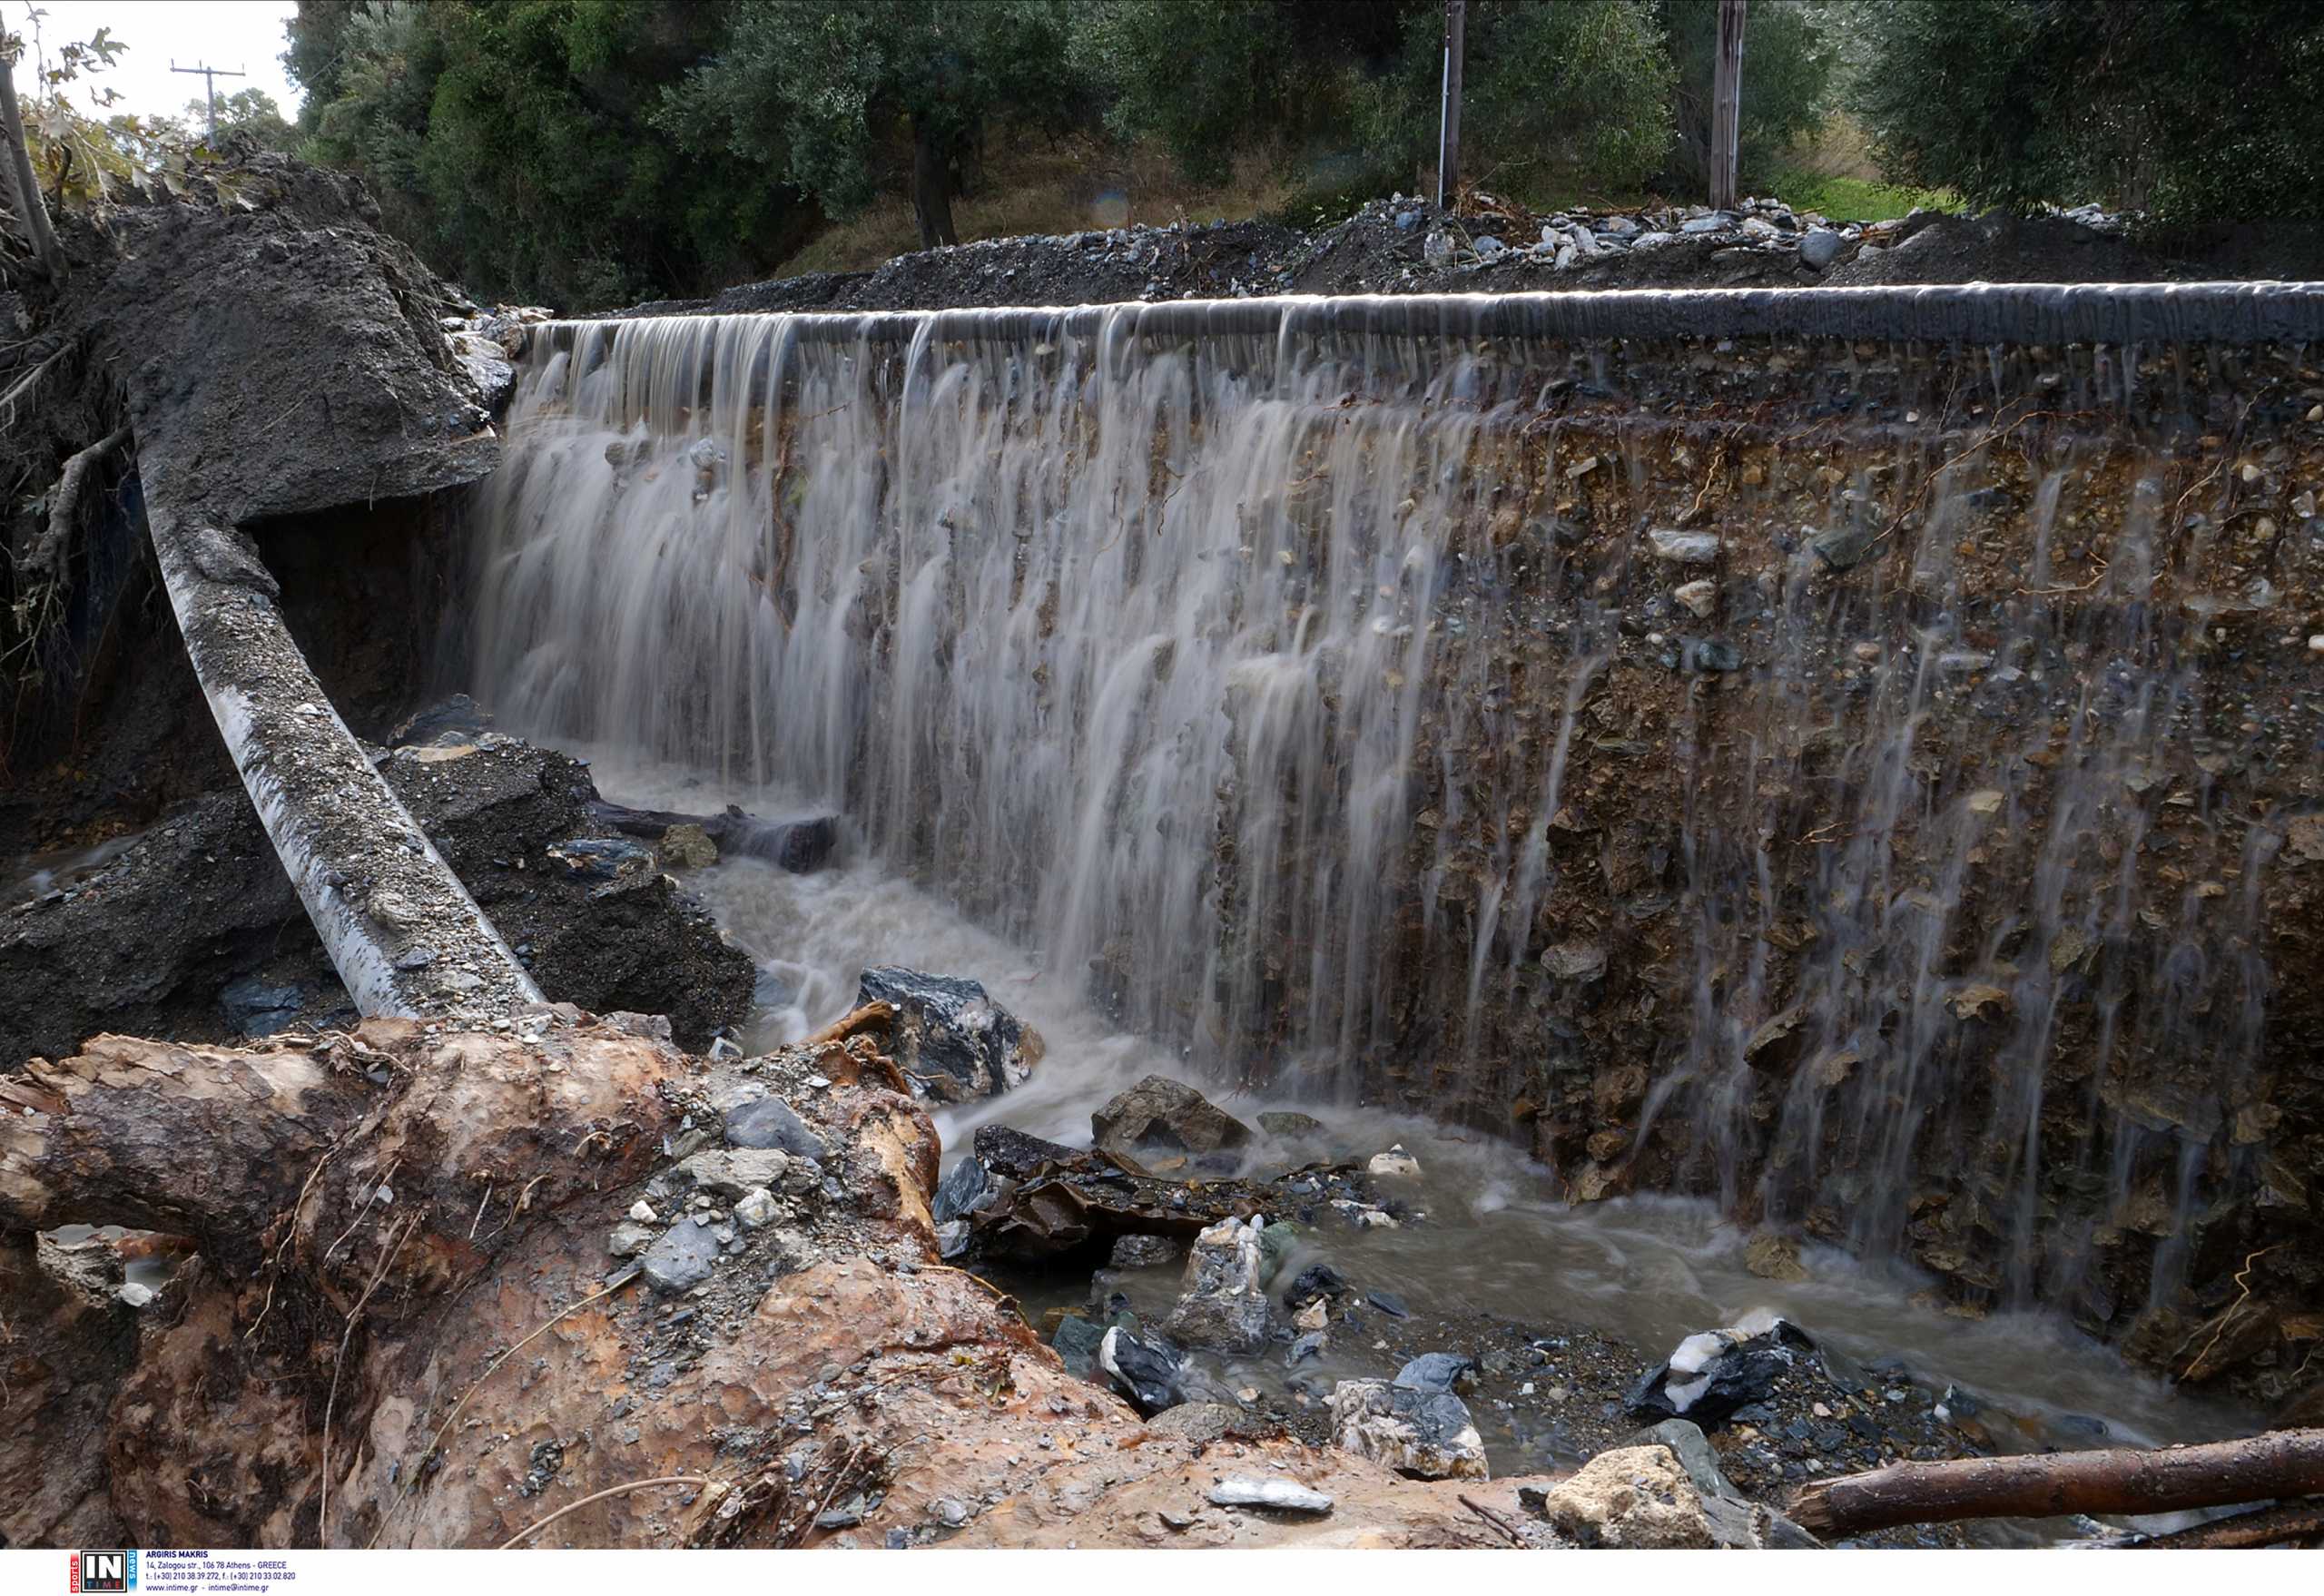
(47, 556)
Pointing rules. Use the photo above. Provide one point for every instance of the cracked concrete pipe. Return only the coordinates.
(405, 935)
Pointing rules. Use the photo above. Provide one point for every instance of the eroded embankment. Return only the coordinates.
(1871, 780)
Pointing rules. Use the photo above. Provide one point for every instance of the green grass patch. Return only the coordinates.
(1855, 199)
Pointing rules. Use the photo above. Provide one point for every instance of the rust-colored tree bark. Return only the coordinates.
(2278, 1463)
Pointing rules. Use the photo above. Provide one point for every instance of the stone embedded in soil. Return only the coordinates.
(736, 1172)
(682, 1259)
(1159, 1115)
(953, 1042)
(1288, 1496)
(770, 1122)
(1428, 1435)
(629, 1240)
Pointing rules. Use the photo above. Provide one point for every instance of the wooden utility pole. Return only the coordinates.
(1726, 105)
(1448, 144)
(210, 76)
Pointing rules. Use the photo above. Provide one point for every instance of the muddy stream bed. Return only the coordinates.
(1563, 1304)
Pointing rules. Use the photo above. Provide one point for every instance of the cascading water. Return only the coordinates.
(1814, 766)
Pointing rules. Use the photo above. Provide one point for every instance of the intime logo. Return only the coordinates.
(104, 1571)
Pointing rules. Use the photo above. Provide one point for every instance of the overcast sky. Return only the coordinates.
(241, 35)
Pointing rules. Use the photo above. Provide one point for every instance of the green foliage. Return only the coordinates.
(1789, 58)
(810, 91)
(2191, 109)
(1196, 75)
(1558, 92)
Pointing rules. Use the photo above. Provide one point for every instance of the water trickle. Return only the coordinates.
(1308, 684)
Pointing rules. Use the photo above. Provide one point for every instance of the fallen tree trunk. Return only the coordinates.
(2269, 1526)
(2278, 1464)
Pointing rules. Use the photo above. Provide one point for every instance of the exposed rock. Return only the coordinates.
(1286, 1495)
(1144, 1252)
(682, 1259)
(1425, 1433)
(734, 1172)
(951, 1039)
(1637, 1497)
(1438, 1371)
(1161, 1116)
(1700, 596)
(756, 1209)
(770, 1122)
(968, 1188)
(688, 847)
(1224, 1307)
(1684, 548)
(1771, 1256)
(629, 1240)
(1714, 1372)
(1317, 1281)
(1396, 1163)
(1292, 1127)
(1820, 247)
(1147, 1370)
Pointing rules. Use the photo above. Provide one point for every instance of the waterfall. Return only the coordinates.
(1801, 746)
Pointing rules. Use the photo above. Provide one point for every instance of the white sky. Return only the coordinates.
(243, 36)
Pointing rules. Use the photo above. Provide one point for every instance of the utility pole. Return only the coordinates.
(210, 76)
(1448, 144)
(1727, 104)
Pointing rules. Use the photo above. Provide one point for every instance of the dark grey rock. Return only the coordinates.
(1438, 1371)
(954, 1042)
(1077, 1341)
(683, 1258)
(1843, 547)
(1317, 1280)
(1292, 1127)
(771, 1123)
(1147, 1370)
(1715, 1372)
(1820, 247)
(1388, 1302)
(1144, 1252)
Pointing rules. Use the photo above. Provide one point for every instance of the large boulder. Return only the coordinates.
(954, 1042)
(1427, 1435)
(1224, 1305)
(1162, 1117)
(1635, 1497)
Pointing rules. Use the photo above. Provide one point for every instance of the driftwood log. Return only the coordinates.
(2278, 1463)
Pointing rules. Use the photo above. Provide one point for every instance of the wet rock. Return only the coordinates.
(1302, 1347)
(629, 1240)
(1224, 1307)
(770, 1122)
(1843, 548)
(1286, 1495)
(1684, 548)
(682, 1259)
(1292, 1127)
(688, 847)
(1317, 1280)
(953, 1042)
(1159, 1115)
(967, 1187)
(1778, 1042)
(1735, 1521)
(1711, 655)
(1050, 1199)
(1715, 1372)
(757, 1209)
(1147, 1370)
(1144, 1252)
(1438, 1371)
(1427, 1435)
(256, 1007)
(1388, 1302)
(1699, 598)
(1313, 1316)
(1395, 1162)
(1771, 1256)
(1076, 1340)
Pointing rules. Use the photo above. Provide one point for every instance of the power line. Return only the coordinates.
(210, 76)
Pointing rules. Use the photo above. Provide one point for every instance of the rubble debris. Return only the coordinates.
(1224, 1306)
(1715, 1372)
(1427, 1435)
